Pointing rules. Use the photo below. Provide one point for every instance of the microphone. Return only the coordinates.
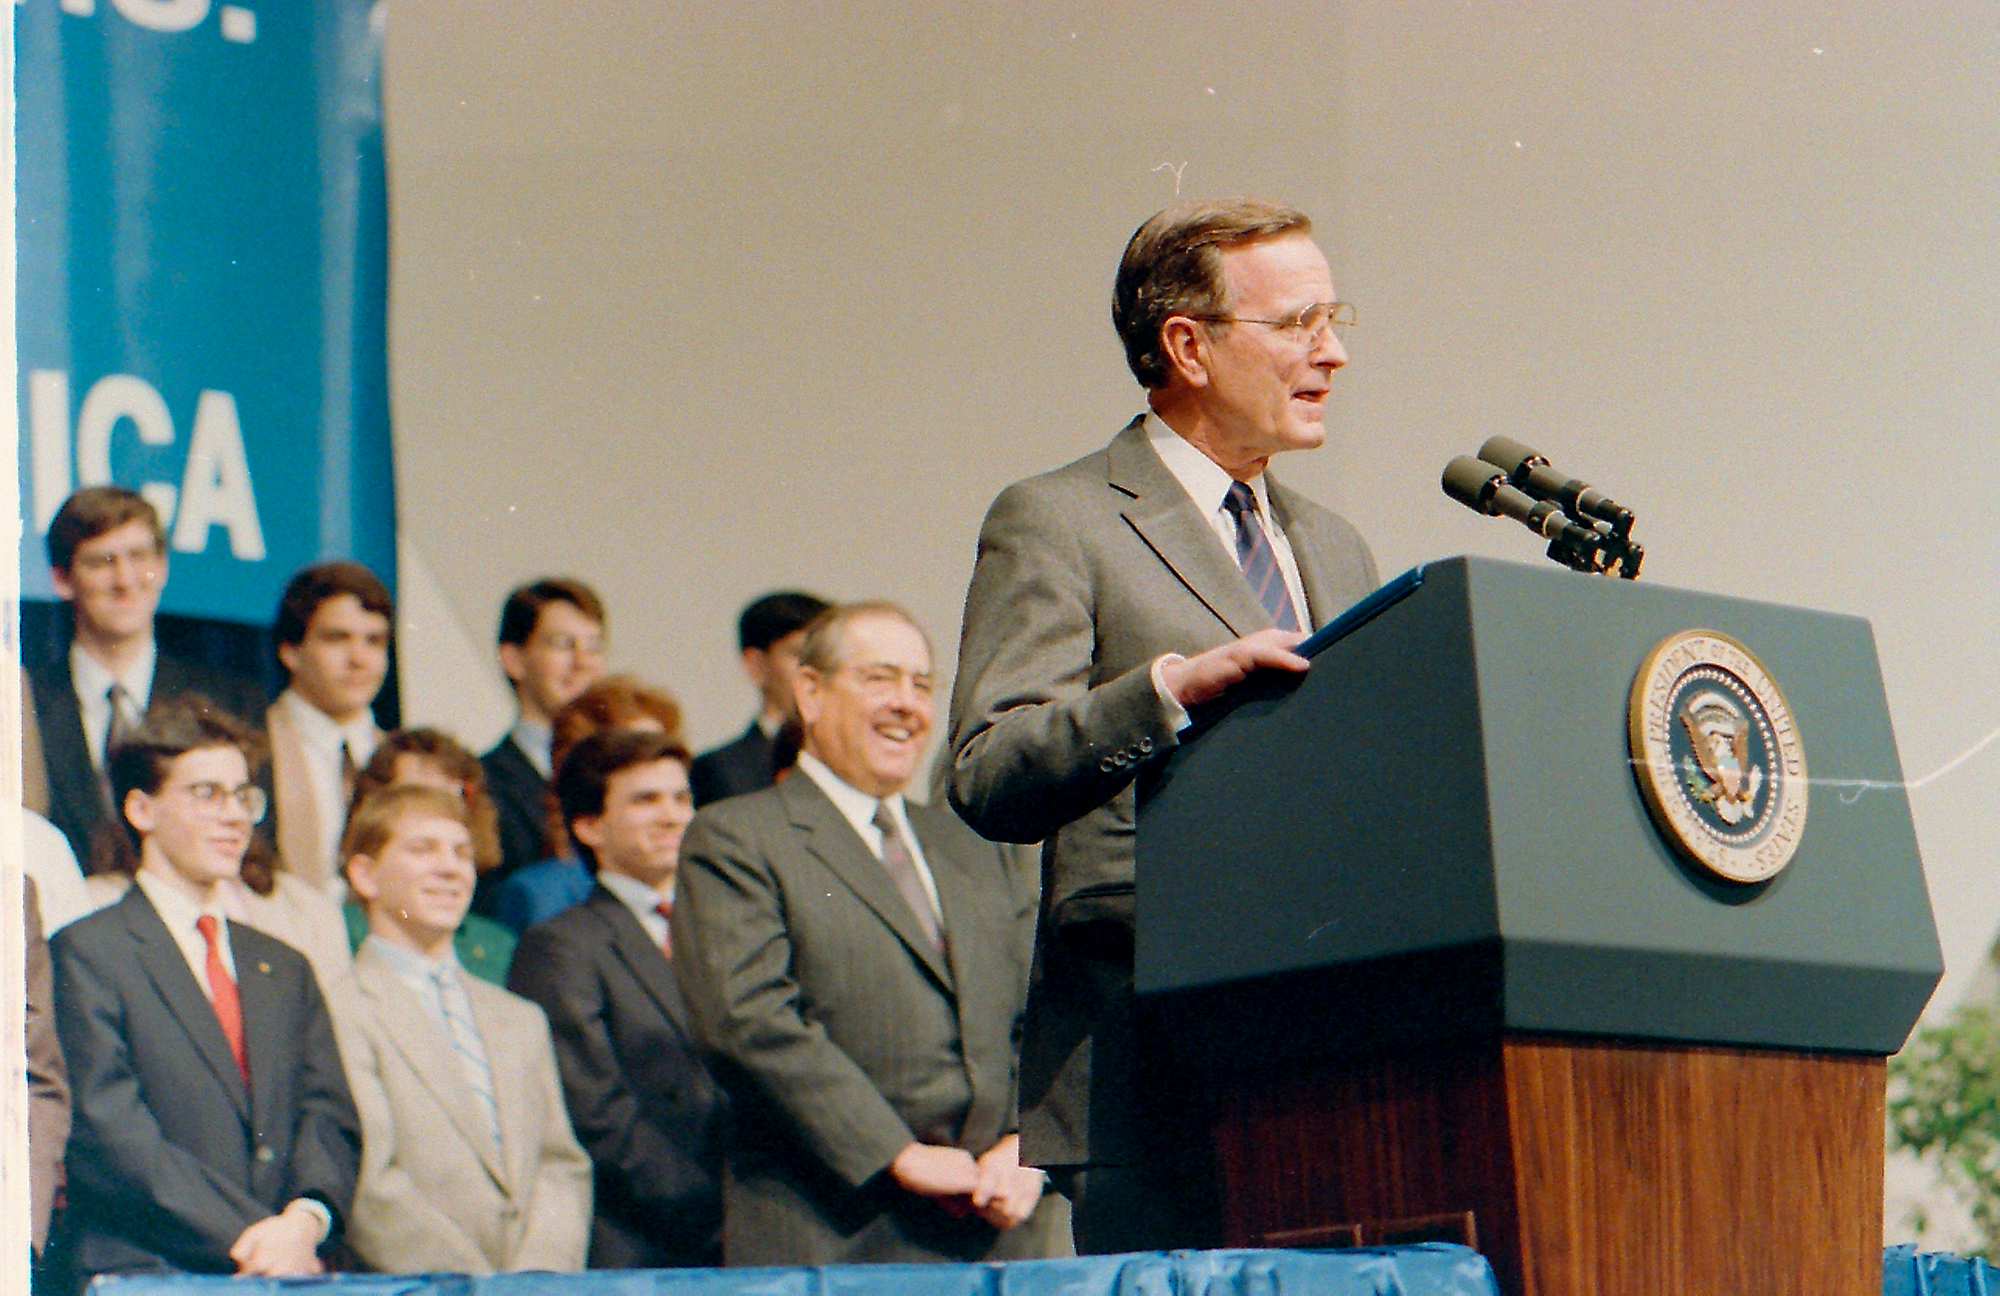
(1529, 470)
(1482, 487)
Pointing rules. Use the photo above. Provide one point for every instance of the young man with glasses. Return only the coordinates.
(1108, 598)
(212, 1130)
(108, 559)
(551, 648)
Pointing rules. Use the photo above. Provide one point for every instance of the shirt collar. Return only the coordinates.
(407, 963)
(1200, 476)
(319, 731)
(93, 681)
(632, 893)
(536, 742)
(856, 806)
(176, 909)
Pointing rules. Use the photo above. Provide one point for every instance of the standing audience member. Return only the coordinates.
(859, 965)
(551, 649)
(639, 1096)
(332, 631)
(212, 1129)
(768, 633)
(48, 1082)
(108, 561)
(467, 1160)
(428, 758)
(544, 889)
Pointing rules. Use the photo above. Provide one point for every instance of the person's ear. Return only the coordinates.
(589, 829)
(1184, 343)
(361, 877)
(141, 811)
(288, 657)
(756, 667)
(65, 587)
(809, 693)
(513, 663)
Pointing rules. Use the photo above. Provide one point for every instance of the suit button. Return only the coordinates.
(1106, 765)
(1145, 746)
(265, 1155)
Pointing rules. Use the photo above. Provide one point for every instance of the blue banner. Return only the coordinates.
(202, 284)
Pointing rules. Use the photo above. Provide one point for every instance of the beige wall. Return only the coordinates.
(698, 299)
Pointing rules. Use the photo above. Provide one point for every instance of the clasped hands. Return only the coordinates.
(996, 1186)
(285, 1245)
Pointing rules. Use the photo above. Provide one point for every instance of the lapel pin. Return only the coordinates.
(263, 967)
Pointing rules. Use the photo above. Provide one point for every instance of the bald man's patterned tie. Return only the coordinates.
(1258, 559)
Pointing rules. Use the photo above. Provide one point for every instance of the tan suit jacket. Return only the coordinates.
(434, 1194)
(1084, 576)
(293, 805)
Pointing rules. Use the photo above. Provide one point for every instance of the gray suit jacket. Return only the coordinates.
(1085, 575)
(435, 1194)
(843, 1034)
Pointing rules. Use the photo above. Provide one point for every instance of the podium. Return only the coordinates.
(1445, 976)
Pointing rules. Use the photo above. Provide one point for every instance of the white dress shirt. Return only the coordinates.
(322, 740)
(858, 808)
(537, 743)
(93, 681)
(180, 912)
(61, 895)
(642, 900)
(1208, 485)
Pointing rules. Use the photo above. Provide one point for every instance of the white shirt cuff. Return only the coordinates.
(1176, 714)
(318, 1208)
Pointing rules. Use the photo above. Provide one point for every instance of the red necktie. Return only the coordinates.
(228, 1006)
(666, 910)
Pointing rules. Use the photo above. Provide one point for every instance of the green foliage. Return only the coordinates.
(1944, 1103)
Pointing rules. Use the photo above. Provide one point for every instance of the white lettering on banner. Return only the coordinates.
(164, 15)
(215, 488)
(236, 23)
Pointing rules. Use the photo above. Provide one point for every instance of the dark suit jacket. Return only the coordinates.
(841, 1031)
(169, 1158)
(1084, 576)
(733, 768)
(76, 798)
(641, 1101)
(520, 794)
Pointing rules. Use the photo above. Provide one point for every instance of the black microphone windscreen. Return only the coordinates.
(1507, 454)
(1466, 480)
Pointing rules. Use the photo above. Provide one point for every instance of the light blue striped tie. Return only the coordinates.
(1258, 559)
(456, 1010)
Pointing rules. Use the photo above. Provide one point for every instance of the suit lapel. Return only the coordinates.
(1323, 603)
(832, 839)
(298, 815)
(267, 1042)
(519, 1144)
(65, 748)
(1167, 520)
(645, 960)
(170, 974)
(420, 1041)
(957, 896)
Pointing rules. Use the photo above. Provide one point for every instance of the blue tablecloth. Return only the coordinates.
(1907, 1272)
(1430, 1270)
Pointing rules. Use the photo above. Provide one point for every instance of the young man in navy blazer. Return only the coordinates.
(212, 1130)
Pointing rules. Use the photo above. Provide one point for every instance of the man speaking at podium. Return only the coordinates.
(1109, 597)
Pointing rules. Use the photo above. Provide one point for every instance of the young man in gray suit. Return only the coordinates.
(858, 965)
(468, 1163)
(1108, 598)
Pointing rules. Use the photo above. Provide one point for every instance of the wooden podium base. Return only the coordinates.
(1579, 1167)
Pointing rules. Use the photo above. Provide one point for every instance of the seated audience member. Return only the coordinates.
(48, 1082)
(467, 1160)
(427, 758)
(332, 630)
(542, 890)
(108, 560)
(551, 649)
(768, 633)
(857, 966)
(639, 1098)
(62, 895)
(211, 1127)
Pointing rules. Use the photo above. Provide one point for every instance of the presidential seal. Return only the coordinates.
(1718, 757)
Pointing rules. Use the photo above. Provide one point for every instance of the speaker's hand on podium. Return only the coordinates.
(1206, 676)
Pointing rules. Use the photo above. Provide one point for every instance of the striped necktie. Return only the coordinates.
(902, 870)
(456, 1011)
(1258, 559)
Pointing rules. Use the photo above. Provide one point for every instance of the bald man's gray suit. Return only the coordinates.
(1084, 577)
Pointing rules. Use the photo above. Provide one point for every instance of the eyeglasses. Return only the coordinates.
(569, 643)
(212, 797)
(1305, 327)
(881, 678)
(146, 558)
